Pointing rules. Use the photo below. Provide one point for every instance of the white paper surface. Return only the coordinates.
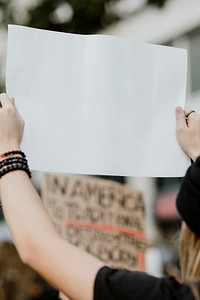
(97, 104)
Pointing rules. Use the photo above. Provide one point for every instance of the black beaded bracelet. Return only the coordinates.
(9, 161)
(15, 167)
(11, 153)
(13, 161)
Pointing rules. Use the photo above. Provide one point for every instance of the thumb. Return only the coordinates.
(180, 118)
(5, 101)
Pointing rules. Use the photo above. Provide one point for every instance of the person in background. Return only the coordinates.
(75, 273)
(18, 281)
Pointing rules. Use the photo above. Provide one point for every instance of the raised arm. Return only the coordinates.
(68, 268)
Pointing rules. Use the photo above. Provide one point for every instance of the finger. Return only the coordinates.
(13, 100)
(180, 118)
(187, 110)
(191, 112)
(5, 100)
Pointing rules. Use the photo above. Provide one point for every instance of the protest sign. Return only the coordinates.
(102, 217)
(105, 100)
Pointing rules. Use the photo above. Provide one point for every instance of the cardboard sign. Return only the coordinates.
(102, 217)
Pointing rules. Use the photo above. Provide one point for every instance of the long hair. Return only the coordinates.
(190, 259)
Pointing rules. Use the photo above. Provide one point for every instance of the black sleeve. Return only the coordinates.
(114, 284)
(188, 199)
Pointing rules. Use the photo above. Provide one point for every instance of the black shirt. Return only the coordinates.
(114, 284)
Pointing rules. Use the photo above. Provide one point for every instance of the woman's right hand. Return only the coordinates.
(188, 132)
(11, 125)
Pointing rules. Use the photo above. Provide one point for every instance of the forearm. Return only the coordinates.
(19, 198)
(68, 268)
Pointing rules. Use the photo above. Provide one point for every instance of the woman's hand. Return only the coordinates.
(188, 132)
(11, 125)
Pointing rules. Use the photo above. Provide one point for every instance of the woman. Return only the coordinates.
(75, 273)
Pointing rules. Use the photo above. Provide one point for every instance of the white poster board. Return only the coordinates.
(97, 104)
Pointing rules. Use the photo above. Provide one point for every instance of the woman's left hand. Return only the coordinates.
(188, 132)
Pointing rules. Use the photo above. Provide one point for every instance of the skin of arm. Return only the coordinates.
(63, 297)
(66, 267)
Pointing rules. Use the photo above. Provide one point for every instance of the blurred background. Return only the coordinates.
(173, 23)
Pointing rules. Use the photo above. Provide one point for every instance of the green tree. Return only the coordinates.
(77, 16)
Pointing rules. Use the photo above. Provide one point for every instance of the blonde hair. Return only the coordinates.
(190, 259)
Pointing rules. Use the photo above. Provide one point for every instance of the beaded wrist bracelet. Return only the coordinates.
(8, 161)
(15, 167)
(11, 153)
(12, 161)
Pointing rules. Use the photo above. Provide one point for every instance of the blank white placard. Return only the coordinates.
(97, 104)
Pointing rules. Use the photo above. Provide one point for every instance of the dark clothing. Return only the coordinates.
(188, 199)
(113, 284)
